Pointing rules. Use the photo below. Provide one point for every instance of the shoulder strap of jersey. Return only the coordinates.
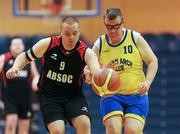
(55, 40)
(82, 47)
(101, 40)
(132, 36)
(7, 56)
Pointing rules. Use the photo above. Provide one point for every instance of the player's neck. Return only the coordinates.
(68, 47)
(116, 40)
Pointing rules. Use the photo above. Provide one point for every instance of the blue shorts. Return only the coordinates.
(134, 106)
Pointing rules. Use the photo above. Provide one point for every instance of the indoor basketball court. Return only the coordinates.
(157, 22)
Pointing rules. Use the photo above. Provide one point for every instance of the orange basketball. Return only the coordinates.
(105, 82)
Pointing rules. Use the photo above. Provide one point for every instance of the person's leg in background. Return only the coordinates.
(11, 123)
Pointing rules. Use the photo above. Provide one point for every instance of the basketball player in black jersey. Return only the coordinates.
(63, 60)
(16, 92)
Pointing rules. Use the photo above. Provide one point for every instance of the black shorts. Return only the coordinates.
(18, 105)
(53, 109)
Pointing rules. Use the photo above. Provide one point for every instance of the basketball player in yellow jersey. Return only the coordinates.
(125, 50)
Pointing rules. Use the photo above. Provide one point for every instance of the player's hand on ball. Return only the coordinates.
(12, 73)
(88, 76)
(143, 87)
(105, 82)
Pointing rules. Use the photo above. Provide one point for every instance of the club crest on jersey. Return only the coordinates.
(54, 56)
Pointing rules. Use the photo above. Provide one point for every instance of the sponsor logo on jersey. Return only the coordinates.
(84, 109)
(54, 56)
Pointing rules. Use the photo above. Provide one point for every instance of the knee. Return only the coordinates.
(10, 124)
(133, 130)
(84, 124)
(56, 127)
(56, 131)
(10, 127)
(113, 129)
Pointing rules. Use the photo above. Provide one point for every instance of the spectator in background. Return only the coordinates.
(16, 93)
(124, 50)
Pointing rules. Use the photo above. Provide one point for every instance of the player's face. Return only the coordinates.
(70, 35)
(16, 47)
(114, 29)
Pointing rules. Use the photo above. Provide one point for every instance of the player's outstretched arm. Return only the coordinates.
(87, 72)
(37, 51)
(91, 60)
(2, 60)
(18, 65)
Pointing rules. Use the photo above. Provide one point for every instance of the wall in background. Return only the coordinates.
(141, 15)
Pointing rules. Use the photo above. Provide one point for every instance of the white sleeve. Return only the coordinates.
(97, 43)
(136, 36)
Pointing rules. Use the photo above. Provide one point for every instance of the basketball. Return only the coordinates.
(105, 82)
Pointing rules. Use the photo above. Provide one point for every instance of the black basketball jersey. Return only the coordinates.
(62, 70)
(18, 83)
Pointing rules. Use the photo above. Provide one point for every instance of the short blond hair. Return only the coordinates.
(69, 20)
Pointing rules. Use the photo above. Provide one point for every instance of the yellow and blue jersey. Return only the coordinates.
(127, 60)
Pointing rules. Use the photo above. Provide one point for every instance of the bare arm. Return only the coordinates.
(40, 47)
(91, 60)
(21, 61)
(150, 59)
(87, 72)
(2, 60)
(35, 76)
(96, 50)
(34, 71)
